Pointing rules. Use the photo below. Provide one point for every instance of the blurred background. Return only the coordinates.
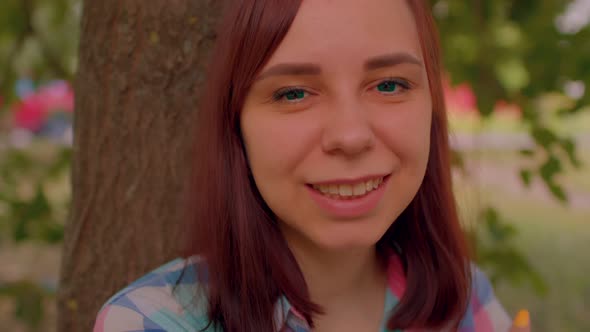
(517, 76)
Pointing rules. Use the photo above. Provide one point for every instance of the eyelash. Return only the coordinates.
(281, 93)
(404, 84)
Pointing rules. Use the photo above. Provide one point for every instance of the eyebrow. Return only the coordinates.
(377, 62)
(391, 60)
(294, 69)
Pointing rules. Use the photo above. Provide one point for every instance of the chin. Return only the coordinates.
(347, 239)
(336, 235)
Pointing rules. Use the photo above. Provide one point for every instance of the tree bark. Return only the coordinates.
(140, 66)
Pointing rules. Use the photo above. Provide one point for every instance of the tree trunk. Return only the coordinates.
(140, 67)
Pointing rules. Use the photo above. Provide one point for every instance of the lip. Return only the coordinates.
(349, 208)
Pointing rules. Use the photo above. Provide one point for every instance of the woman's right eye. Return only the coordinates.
(290, 95)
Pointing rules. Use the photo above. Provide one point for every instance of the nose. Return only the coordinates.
(348, 130)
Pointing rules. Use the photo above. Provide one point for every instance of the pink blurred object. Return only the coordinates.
(508, 109)
(32, 111)
(460, 98)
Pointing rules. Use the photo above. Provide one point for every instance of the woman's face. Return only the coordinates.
(337, 124)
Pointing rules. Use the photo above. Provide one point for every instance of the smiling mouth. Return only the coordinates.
(348, 191)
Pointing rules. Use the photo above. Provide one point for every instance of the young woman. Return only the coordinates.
(324, 199)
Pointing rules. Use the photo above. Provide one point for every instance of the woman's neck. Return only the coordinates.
(339, 275)
(349, 285)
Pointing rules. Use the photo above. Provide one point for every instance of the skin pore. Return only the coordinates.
(344, 99)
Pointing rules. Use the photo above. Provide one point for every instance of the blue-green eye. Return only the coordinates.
(391, 86)
(387, 86)
(290, 95)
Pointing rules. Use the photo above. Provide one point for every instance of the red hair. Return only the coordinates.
(249, 265)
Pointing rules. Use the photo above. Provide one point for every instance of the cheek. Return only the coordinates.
(406, 131)
(276, 144)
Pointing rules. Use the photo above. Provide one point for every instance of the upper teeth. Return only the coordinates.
(348, 190)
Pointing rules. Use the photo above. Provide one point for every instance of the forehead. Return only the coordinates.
(344, 31)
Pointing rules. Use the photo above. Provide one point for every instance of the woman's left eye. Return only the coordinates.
(290, 95)
(392, 86)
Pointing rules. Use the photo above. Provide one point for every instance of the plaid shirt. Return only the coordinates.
(150, 304)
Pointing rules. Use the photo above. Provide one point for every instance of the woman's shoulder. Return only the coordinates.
(485, 313)
(169, 298)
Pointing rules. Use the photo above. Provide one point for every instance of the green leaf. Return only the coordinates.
(508, 264)
(544, 136)
(526, 176)
(53, 233)
(551, 167)
(557, 191)
(498, 230)
(569, 146)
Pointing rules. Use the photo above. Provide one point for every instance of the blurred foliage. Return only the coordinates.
(520, 51)
(29, 300)
(34, 198)
(497, 251)
(512, 50)
(38, 41)
(34, 193)
(507, 50)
